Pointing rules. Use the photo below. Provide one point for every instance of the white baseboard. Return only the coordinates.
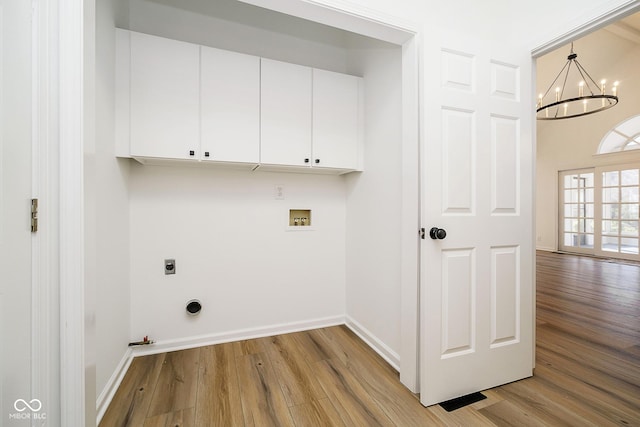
(238, 335)
(545, 249)
(372, 341)
(109, 390)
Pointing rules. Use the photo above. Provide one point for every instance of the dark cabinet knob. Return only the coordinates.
(317, 161)
(192, 153)
(437, 233)
(206, 154)
(306, 160)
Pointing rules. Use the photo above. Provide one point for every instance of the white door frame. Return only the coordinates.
(45, 337)
(69, 81)
(68, 245)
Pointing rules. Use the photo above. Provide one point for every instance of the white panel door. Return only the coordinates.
(285, 128)
(336, 127)
(15, 196)
(165, 97)
(230, 106)
(476, 283)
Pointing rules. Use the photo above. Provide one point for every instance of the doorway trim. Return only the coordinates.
(582, 29)
(70, 86)
(45, 325)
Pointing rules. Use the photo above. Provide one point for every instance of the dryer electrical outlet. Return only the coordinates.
(169, 266)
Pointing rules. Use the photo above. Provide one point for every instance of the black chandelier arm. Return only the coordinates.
(556, 79)
(581, 69)
(566, 76)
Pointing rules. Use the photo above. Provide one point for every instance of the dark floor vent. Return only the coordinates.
(459, 402)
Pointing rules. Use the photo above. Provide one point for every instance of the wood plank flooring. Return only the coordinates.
(587, 372)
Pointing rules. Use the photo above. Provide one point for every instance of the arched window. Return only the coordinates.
(624, 137)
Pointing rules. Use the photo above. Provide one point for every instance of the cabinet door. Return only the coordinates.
(336, 127)
(165, 77)
(230, 106)
(286, 114)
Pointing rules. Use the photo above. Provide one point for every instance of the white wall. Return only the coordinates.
(228, 235)
(374, 202)
(572, 143)
(107, 210)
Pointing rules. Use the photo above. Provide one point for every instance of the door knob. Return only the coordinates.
(437, 233)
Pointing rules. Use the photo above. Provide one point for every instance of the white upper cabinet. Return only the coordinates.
(165, 97)
(182, 101)
(230, 106)
(336, 120)
(286, 114)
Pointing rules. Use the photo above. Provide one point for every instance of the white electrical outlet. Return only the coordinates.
(278, 192)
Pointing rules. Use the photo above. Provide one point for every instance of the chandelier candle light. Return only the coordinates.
(575, 106)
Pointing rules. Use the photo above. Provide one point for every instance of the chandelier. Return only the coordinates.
(566, 101)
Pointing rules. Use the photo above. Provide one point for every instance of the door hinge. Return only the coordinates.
(34, 215)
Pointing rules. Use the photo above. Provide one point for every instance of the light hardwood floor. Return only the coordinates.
(587, 373)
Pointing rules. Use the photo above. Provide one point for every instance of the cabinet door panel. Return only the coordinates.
(230, 106)
(335, 120)
(165, 78)
(286, 113)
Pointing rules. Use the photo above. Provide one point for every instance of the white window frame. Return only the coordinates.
(561, 212)
(598, 212)
(599, 206)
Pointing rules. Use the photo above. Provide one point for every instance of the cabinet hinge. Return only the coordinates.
(34, 215)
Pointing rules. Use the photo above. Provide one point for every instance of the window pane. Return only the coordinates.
(571, 196)
(569, 239)
(630, 211)
(571, 225)
(610, 195)
(587, 196)
(630, 177)
(571, 210)
(588, 179)
(570, 181)
(629, 228)
(610, 244)
(579, 240)
(589, 210)
(610, 211)
(610, 179)
(586, 225)
(588, 241)
(629, 194)
(610, 227)
(629, 246)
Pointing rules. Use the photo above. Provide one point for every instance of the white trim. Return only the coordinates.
(410, 210)
(582, 27)
(71, 127)
(346, 16)
(390, 356)
(106, 396)
(238, 335)
(45, 325)
(545, 249)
